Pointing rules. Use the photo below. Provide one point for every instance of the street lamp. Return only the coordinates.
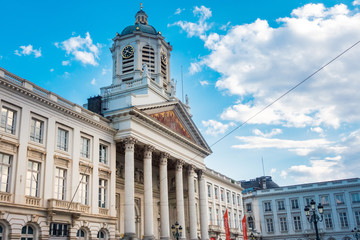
(312, 217)
(176, 230)
(356, 233)
(252, 236)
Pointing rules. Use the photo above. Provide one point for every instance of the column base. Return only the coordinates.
(149, 238)
(130, 236)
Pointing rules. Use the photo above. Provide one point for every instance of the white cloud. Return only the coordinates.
(179, 10)
(356, 2)
(204, 83)
(51, 70)
(318, 130)
(257, 61)
(273, 132)
(28, 50)
(93, 81)
(200, 27)
(340, 164)
(215, 128)
(226, 26)
(66, 75)
(105, 71)
(194, 67)
(300, 147)
(65, 63)
(82, 49)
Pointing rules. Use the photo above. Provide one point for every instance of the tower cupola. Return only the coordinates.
(141, 17)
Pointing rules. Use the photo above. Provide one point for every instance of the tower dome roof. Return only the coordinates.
(141, 24)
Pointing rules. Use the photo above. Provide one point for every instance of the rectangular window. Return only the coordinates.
(36, 130)
(229, 216)
(339, 198)
(216, 190)
(84, 189)
(267, 206)
(209, 190)
(357, 218)
(60, 183)
(324, 200)
(210, 216)
(308, 200)
(343, 220)
(328, 220)
(281, 205)
(103, 152)
(7, 122)
(294, 203)
(228, 197)
(297, 223)
(63, 139)
(59, 230)
(233, 199)
(85, 147)
(32, 179)
(5, 170)
(102, 193)
(355, 197)
(222, 194)
(217, 217)
(283, 224)
(248, 207)
(269, 225)
(195, 186)
(235, 222)
(238, 200)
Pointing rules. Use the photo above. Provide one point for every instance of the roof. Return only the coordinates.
(139, 27)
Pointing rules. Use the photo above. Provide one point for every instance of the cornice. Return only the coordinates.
(56, 106)
(210, 174)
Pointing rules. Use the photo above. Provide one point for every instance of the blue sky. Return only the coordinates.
(236, 56)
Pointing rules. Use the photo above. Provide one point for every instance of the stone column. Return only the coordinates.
(203, 206)
(192, 209)
(129, 189)
(180, 197)
(164, 199)
(148, 194)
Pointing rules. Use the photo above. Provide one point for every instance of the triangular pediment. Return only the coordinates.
(175, 116)
(170, 119)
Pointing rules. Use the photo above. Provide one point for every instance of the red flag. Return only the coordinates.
(244, 228)
(226, 223)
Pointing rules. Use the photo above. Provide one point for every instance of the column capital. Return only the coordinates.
(191, 169)
(130, 140)
(149, 148)
(179, 164)
(200, 173)
(165, 155)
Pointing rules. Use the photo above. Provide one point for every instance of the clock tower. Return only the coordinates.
(141, 67)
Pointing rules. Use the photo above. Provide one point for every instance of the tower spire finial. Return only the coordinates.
(141, 6)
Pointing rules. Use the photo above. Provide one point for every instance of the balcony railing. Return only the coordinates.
(33, 201)
(61, 205)
(5, 197)
(103, 211)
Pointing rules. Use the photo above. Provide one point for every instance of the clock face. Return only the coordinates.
(163, 58)
(127, 51)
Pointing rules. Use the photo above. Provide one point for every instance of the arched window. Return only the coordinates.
(27, 233)
(101, 235)
(1, 232)
(81, 234)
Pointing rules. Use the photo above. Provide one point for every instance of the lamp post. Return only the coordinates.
(176, 230)
(356, 233)
(313, 217)
(252, 236)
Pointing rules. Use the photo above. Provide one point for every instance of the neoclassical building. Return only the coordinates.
(127, 165)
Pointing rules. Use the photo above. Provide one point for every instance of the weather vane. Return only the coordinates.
(141, 6)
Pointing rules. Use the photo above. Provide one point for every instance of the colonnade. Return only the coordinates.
(130, 231)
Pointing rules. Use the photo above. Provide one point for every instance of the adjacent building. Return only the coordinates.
(278, 213)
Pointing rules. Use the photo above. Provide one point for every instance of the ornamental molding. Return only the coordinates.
(155, 125)
(58, 107)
